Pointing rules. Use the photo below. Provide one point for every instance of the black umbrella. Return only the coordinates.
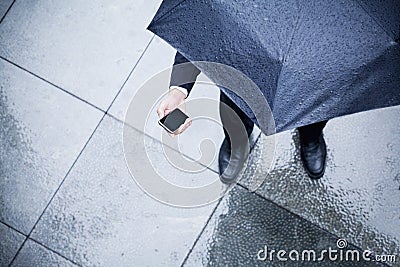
(312, 60)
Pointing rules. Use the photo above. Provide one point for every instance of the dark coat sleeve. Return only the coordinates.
(183, 75)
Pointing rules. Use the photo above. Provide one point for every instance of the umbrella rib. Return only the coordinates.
(375, 20)
(287, 51)
(166, 13)
(293, 33)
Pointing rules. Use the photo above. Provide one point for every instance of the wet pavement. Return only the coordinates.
(68, 73)
(359, 195)
(245, 223)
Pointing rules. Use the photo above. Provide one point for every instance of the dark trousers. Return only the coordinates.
(311, 132)
(308, 133)
(229, 121)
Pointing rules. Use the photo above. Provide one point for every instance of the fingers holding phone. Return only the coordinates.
(171, 113)
(175, 122)
(184, 126)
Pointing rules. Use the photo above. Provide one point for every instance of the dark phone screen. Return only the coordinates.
(174, 119)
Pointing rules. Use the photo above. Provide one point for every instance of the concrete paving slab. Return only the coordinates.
(42, 132)
(87, 48)
(358, 198)
(4, 6)
(158, 57)
(10, 241)
(240, 227)
(100, 216)
(245, 224)
(33, 254)
(156, 64)
(313, 238)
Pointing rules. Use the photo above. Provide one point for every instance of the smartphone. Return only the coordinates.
(173, 120)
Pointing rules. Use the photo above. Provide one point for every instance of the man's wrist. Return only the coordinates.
(180, 89)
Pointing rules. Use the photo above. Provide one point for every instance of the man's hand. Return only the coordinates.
(174, 99)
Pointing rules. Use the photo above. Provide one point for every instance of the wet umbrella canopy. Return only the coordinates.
(312, 60)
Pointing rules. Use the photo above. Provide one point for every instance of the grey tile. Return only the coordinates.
(4, 5)
(245, 226)
(10, 241)
(87, 48)
(242, 225)
(33, 254)
(358, 198)
(153, 73)
(42, 131)
(313, 239)
(158, 57)
(260, 160)
(101, 217)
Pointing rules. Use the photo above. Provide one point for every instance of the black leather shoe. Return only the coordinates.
(313, 156)
(230, 164)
